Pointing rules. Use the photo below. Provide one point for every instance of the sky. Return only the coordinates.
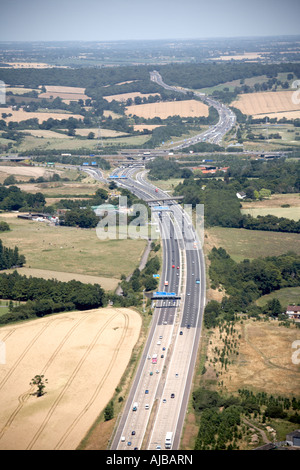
(114, 20)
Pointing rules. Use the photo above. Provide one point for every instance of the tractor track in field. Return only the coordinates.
(69, 382)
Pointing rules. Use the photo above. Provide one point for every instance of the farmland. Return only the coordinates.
(280, 205)
(67, 349)
(72, 250)
(163, 110)
(272, 104)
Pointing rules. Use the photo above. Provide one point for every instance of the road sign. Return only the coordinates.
(165, 294)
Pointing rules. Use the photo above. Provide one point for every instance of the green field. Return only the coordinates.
(286, 296)
(287, 212)
(241, 243)
(72, 250)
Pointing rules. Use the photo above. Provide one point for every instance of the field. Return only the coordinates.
(164, 109)
(273, 206)
(273, 104)
(126, 96)
(22, 115)
(286, 296)
(72, 250)
(83, 355)
(241, 243)
(264, 362)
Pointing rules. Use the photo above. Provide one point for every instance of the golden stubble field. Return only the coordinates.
(163, 110)
(274, 104)
(83, 355)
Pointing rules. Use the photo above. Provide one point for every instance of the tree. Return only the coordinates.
(109, 411)
(40, 382)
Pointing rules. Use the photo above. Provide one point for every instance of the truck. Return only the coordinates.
(135, 406)
(168, 440)
(154, 359)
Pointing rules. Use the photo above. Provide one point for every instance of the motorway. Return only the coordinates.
(216, 132)
(161, 391)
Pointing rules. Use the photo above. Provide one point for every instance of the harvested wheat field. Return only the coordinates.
(82, 355)
(267, 104)
(125, 96)
(33, 171)
(164, 109)
(21, 115)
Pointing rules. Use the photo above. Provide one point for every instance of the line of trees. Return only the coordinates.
(10, 257)
(43, 297)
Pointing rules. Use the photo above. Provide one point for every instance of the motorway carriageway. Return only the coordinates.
(177, 329)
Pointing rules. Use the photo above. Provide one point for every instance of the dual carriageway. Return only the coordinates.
(161, 391)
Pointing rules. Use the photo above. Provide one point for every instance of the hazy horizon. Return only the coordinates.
(92, 20)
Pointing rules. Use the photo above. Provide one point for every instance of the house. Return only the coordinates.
(293, 311)
(293, 439)
(241, 195)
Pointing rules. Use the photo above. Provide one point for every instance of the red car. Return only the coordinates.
(173, 265)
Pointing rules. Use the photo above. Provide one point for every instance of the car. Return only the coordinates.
(164, 348)
(123, 439)
(157, 371)
(172, 395)
(147, 407)
(146, 392)
(176, 375)
(133, 433)
(158, 343)
(162, 356)
(181, 333)
(158, 447)
(166, 283)
(136, 448)
(165, 322)
(188, 327)
(160, 337)
(129, 443)
(188, 293)
(173, 265)
(164, 400)
(151, 373)
(178, 267)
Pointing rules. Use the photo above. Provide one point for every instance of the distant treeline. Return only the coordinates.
(197, 76)
(43, 297)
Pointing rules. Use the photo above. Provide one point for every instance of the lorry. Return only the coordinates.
(168, 440)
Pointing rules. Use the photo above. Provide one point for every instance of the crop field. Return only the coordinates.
(65, 93)
(21, 115)
(273, 104)
(126, 96)
(164, 109)
(83, 356)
